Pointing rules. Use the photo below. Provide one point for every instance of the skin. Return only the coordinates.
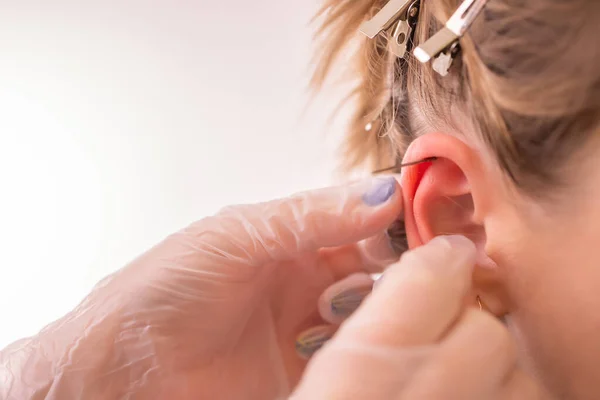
(189, 317)
(536, 260)
(539, 261)
(415, 338)
(213, 311)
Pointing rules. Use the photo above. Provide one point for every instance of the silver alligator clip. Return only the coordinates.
(398, 18)
(444, 44)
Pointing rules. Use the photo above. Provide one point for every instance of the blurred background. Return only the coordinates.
(122, 121)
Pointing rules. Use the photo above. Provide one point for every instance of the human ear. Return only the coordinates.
(452, 195)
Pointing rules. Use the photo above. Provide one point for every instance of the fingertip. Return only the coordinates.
(342, 298)
(382, 200)
(420, 296)
(311, 340)
(455, 243)
(380, 191)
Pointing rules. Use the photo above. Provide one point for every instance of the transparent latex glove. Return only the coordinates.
(415, 337)
(213, 311)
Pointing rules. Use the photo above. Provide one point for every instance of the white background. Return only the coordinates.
(122, 121)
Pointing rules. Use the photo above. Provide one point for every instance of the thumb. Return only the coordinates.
(379, 350)
(284, 228)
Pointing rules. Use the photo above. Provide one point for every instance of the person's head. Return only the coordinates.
(515, 127)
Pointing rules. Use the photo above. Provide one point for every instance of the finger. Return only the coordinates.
(342, 298)
(311, 340)
(368, 255)
(348, 370)
(472, 361)
(418, 298)
(380, 251)
(281, 229)
(349, 266)
(520, 385)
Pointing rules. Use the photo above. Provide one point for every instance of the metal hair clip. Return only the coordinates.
(444, 45)
(398, 167)
(398, 18)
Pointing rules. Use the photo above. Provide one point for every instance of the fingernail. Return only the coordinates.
(381, 191)
(456, 242)
(458, 251)
(346, 302)
(309, 341)
(377, 281)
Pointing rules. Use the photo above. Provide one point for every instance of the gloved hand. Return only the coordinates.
(214, 311)
(415, 337)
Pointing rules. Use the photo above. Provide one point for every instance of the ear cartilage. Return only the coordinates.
(443, 45)
(406, 164)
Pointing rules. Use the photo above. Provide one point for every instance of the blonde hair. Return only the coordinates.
(528, 77)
